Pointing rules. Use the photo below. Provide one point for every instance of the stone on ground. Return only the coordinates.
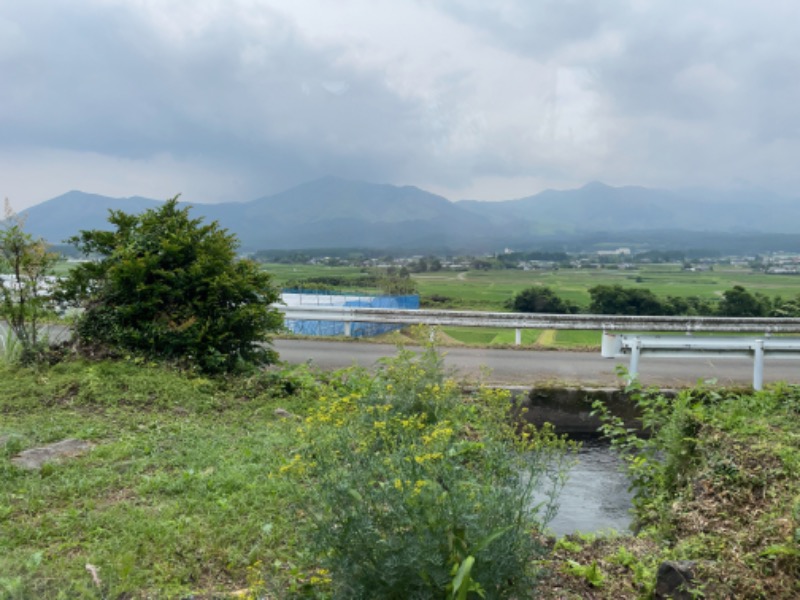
(34, 458)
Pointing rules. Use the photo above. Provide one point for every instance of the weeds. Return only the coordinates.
(10, 348)
(715, 477)
(660, 456)
(392, 483)
(416, 492)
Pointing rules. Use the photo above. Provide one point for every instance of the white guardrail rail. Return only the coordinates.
(614, 345)
(636, 345)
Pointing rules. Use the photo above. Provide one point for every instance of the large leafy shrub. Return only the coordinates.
(171, 287)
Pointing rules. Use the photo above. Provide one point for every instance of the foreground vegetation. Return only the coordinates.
(198, 486)
(173, 498)
(201, 486)
(717, 491)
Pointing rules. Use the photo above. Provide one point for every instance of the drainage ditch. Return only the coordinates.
(596, 497)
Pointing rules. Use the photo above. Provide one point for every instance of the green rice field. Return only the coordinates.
(490, 290)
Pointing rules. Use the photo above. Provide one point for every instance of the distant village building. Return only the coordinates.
(617, 252)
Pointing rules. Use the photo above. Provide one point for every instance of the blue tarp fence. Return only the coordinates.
(332, 328)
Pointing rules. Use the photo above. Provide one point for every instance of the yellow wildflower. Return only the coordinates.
(423, 458)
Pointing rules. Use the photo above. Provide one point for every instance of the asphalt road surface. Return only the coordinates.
(525, 367)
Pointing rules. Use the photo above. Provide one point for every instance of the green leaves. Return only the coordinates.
(541, 299)
(592, 573)
(170, 287)
(25, 292)
(419, 491)
(463, 583)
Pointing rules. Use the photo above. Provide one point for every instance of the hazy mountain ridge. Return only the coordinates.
(333, 212)
(63, 216)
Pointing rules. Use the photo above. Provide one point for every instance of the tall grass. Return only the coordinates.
(10, 348)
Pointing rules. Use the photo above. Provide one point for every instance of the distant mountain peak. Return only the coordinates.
(595, 185)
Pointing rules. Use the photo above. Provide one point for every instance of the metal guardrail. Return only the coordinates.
(757, 325)
(614, 345)
(637, 345)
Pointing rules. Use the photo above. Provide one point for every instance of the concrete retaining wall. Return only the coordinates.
(569, 409)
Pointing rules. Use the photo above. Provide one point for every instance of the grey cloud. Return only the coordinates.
(645, 92)
(107, 82)
(540, 28)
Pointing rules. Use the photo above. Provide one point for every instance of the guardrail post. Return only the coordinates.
(758, 365)
(633, 369)
(348, 328)
(610, 345)
(518, 337)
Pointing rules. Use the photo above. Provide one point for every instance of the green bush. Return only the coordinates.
(170, 287)
(25, 293)
(541, 299)
(418, 492)
(617, 300)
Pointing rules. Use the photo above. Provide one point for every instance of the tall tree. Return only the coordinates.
(738, 302)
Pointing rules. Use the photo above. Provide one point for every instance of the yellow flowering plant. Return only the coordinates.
(409, 480)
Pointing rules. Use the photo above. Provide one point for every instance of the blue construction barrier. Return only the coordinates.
(333, 328)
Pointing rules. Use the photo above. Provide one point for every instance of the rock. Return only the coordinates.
(674, 580)
(34, 458)
(282, 413)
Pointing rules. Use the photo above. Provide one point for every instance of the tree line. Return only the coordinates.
(618, 300)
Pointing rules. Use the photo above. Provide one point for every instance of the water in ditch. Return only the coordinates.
(595, 497)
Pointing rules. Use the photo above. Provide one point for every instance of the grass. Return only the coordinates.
(577, 339)
(174, 498)
(186, 491)
(484, 336)
(489, 290)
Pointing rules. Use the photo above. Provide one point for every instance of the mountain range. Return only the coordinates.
(335, 213)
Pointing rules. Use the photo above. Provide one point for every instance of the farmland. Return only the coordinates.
(489, 291)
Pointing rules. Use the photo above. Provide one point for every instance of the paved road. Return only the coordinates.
(524, 367)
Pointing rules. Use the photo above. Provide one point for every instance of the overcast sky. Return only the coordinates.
(235, 99)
